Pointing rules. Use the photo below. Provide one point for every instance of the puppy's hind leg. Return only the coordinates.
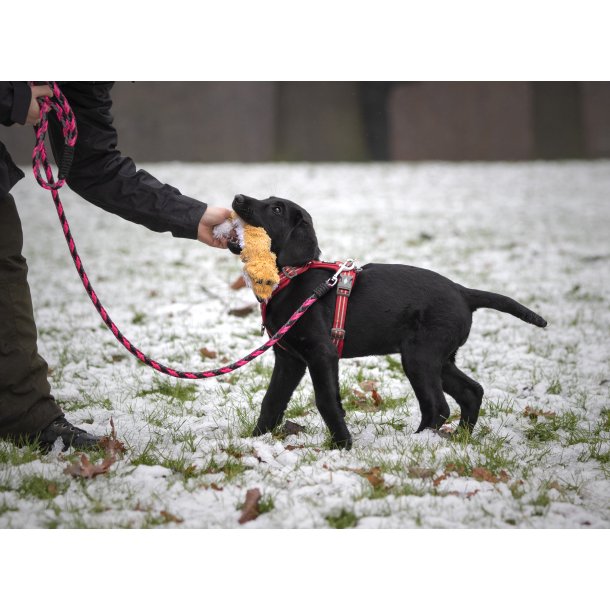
(287, 374)
(466, 392)
(425, 377)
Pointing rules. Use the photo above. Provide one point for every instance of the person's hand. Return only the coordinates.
(213, 216)
(34, 109)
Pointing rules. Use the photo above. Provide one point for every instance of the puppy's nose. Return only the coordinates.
(239, 198)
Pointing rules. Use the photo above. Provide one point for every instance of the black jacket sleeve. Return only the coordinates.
(103, 177)
(15, 100)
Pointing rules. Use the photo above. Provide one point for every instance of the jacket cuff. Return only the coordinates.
(22, 96)
(189, 226)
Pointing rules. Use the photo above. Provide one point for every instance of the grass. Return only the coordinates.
(344, 520)
(174, 391)
(41, 488)
(195, 436)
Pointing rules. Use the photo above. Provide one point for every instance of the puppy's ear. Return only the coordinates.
(300, 245)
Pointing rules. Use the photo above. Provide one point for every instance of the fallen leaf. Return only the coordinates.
(362, 401)
(374, 475)
(207, 353)
(250, 509)
(482, 474)
(451, 467)
(534, 414)
(111, 444)
(239, 283)
(376, 398)
(555, 485)
(293, 447)
(289, 428)
(86, 470)
(216, 487)
(437, 481)
(369, 385)
(242, 312)
(421, 473)
(169, 518)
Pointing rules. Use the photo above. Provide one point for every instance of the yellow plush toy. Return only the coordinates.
(260, 269)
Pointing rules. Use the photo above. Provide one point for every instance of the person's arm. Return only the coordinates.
(102, 176)
(15, 99)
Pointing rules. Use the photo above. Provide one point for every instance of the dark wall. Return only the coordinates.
(350, 121)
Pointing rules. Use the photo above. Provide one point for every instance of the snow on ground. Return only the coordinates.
(535, 231)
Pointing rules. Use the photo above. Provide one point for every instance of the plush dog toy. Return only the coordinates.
(260, 269)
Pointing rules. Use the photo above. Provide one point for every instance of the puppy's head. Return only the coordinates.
(290, 227)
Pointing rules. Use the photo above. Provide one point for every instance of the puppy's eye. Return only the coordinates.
(277, 210)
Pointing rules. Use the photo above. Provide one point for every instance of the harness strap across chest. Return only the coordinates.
(344, 282)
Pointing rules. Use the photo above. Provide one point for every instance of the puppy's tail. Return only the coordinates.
(480, 298)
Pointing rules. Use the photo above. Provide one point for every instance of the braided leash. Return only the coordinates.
(59, 104)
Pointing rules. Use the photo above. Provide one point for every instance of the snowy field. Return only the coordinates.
(539, 456)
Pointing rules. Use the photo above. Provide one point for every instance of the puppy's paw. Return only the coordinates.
(341, 443)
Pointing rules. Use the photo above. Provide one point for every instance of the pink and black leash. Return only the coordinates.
(59, 104)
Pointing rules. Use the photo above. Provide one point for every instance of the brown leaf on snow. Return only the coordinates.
(242, 312)
(113, 448)
(438, 480)
(204, 352)
(111, 444)
(86, 470)
(482, 474)
(374, 475)
(451, 467)
(250, 509)
(239, 283)
(169, 518)
(421, 473)
(534, 414)
(369, 385)
(289, 428)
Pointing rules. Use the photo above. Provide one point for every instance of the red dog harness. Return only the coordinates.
(344, 278)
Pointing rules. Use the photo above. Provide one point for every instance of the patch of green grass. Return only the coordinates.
(41, 487)
(148, 457)
(500, 406)
(542, 500)
(554, 387)
(179, 391)
(265, 505)
(231, 468)
(182, 466)
(5, 508)
(345, 519)
(13, 455)
(541, 432)
(604, 421)
(138, 318)
(86, 401)
(394, 366)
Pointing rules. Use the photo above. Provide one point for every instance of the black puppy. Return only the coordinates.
(393, 309)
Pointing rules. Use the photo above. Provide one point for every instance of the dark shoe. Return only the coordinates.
(70, 435)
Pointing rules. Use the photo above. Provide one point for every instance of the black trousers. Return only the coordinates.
(26, 403)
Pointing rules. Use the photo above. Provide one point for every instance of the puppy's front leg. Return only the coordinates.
(287, 374)
(324, 370)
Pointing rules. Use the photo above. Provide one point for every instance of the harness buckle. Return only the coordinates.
(337, 333)
(345, 284)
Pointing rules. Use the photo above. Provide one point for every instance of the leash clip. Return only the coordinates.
(348, 265)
